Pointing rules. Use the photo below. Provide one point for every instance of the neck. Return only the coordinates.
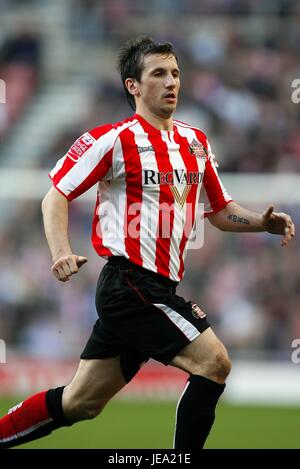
(160, 123)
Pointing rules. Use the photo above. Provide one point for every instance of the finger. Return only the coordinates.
(66, 269)
(59, 272)
(55, 273)
(287, 237)
(62, 274)
(73, 265)
(293, 230)
(81, 260)
(268, 212)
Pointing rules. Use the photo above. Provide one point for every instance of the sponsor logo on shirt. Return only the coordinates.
(179, 180)
(81, 145)
(178, 176)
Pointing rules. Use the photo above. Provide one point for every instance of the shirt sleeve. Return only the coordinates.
(215, 196)
(88, 161)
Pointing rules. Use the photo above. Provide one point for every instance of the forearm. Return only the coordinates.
(237, 219)
(55, 218)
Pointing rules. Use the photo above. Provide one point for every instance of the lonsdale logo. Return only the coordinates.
(180, 198)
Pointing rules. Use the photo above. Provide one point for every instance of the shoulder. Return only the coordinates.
(112, 130)
(201, 136)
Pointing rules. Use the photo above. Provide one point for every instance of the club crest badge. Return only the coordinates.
(198, 149)
(197, 312)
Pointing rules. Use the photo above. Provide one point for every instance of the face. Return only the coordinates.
(159, 85)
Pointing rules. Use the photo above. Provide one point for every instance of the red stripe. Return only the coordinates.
(67, 165)
(166, 206)
(95, 176)
(211, 181)
(134, 196)
(62, 193)
(191, 201)
(213, 188)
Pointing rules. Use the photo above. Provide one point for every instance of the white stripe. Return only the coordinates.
(58, 166)
(180, 398)
(150, 202)
(25, 432)
(182, 124)
(185, 326)
(111, 211)
(177, 163)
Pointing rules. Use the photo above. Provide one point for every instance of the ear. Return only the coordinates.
(132, 86)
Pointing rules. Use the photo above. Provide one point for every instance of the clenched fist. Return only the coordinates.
(66, 266)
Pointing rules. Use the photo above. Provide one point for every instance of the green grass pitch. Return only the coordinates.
(149, 424)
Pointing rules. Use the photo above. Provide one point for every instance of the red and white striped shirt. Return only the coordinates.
(149, 182)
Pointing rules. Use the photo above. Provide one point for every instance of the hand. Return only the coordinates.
(66, 266)
(278, 223)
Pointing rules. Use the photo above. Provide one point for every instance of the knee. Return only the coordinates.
(78, 408)
(216, 368)
(221, 366)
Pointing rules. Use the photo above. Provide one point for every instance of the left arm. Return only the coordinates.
(235, 218)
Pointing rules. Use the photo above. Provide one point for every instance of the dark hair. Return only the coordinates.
(131, 56)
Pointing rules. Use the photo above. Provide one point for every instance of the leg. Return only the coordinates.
(95, 382)
(205, 356)
(207, 362)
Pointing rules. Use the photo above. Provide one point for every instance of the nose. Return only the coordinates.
(170, 81)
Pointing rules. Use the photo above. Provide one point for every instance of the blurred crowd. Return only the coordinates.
(237, 73)
(20, 55)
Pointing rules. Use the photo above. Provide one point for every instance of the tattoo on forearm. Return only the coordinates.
(237, 219)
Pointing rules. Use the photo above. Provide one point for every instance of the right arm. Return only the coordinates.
(87, 162)
(55, 217)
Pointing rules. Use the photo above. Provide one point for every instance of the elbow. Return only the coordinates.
(47, 200)
(53, 199)
(217, 224)
(44, 203)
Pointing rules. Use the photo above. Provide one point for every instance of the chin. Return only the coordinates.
(167, 111)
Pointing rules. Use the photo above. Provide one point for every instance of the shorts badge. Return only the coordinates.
(197, 312)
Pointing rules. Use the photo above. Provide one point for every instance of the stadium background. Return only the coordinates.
(238, 60)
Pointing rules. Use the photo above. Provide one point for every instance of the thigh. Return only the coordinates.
(200, 356)
(105, 343)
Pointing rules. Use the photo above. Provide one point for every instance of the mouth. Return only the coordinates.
(171, 97)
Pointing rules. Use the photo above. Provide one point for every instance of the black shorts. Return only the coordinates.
(140, 317)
